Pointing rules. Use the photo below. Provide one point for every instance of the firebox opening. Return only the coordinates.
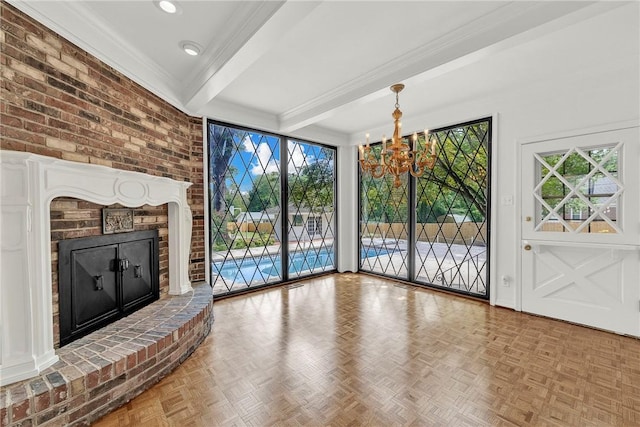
(74, 219)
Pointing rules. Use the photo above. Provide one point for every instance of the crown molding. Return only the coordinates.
(235, 114)
(98, 39)
(489, 29)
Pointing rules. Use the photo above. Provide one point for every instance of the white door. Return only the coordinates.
(581, 229)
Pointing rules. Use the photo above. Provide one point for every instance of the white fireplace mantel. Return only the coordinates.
(29, 182)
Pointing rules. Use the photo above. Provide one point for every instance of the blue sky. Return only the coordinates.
(262, 154)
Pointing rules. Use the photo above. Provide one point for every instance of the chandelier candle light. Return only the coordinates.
(399, 158)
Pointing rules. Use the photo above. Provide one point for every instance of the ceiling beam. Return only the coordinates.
(268, 35)
(457, 48)
(228, 112)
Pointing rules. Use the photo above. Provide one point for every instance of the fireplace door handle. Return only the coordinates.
(99, 284)
(123, 264)
(137, 270)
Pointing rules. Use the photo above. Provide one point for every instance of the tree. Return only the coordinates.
(313, 187)
(235, 197)
(461, 165)
(457, 184)
(221, 149)
(265, 192)
(458, 181)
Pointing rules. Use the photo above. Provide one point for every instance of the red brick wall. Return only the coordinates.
(59, 101)
(197, 202)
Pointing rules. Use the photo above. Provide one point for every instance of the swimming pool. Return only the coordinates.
(268, 268)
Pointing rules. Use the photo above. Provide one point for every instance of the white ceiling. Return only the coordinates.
(315, 69)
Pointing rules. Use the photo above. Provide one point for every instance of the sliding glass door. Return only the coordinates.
(452, 212)
(433, 230)
(271, 208)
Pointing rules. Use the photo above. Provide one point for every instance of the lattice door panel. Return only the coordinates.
(577, 188)
(583, 188)
(588, 285)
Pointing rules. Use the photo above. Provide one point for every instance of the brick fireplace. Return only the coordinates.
(76, 384)
(29, 183)
(68, 114)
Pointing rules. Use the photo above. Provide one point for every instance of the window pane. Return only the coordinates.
(553, 187)
(384, 229)
(583, 189)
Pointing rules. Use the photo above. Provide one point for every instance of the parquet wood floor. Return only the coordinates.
(356, 350)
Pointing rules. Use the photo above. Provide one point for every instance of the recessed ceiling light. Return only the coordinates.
(168, 6)
(190, 48)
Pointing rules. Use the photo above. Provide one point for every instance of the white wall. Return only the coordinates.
(582, 76)
(347, 173)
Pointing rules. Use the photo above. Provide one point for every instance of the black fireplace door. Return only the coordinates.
(137, 280)
(95, 294)
(104, 278)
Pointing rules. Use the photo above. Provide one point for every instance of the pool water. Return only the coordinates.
(268, 268)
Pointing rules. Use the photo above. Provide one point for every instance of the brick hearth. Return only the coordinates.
(109, 367)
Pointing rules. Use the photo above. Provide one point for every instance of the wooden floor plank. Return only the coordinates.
(355, 350)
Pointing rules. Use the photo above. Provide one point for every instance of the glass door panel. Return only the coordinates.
(244, 206)
(452, 212)
(310, 213)
(384, 228)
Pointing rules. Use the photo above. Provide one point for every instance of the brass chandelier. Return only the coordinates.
(398, 158)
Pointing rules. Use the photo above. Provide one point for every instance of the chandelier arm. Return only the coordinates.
(417, 173)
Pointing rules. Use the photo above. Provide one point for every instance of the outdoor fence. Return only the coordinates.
(461, 233)
(594, 226)
(251, 227)
(450, 232)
